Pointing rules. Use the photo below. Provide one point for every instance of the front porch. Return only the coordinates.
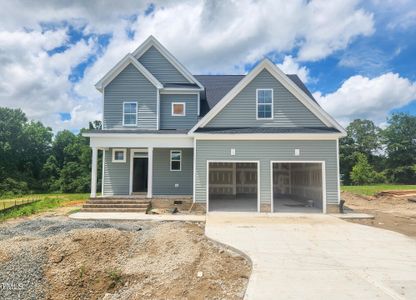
(137, 173)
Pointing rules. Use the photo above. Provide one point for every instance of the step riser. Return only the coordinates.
(117, 202)
(114, 209)
(116, 206)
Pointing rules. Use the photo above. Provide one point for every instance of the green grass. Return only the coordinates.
(370, 190)
(43, 202)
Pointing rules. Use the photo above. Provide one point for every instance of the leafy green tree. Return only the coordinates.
(363, 173)
(362, 137)
(61, 141)
(400, 140)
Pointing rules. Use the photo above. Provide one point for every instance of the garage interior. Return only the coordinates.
(233, 187)
(297, 187)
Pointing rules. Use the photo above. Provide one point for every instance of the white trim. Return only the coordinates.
(285, 81)
(322, 162)
(338, 175)
(135, 135)
(194, 173)
(158, 109)
(94, 172)
(257, 105)
(233, 161)
(102, 174)
(198, 99)
(166, 141)
(180, 91)
(131, 167)
(152, 41)
(137, 112)
(267, 136)
(172, 113)
(120, 66)
(180, 160)
(149, 172)
(114, 150)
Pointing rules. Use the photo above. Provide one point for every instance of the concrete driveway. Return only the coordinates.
(318, 256)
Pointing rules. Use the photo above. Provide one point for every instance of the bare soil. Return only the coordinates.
(53, 257)
(391, 210)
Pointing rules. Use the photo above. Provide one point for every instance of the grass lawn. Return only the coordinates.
(42, 203)
(370, 190)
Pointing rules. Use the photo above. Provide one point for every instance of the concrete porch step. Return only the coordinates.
(116, 205)
(114, 209)
(118, 201)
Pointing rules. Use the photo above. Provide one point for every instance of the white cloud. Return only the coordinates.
(291, 66)
(369, 98)
(206, 36)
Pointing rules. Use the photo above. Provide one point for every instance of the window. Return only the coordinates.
(119, 155)
(129, 113)
(264, 104)
(175, 160)
(178, 109)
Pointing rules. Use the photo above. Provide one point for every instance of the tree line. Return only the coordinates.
(370, 154)
(34, 160)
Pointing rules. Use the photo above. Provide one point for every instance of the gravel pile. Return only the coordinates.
(60, 258)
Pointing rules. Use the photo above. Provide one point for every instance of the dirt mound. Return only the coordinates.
(396, 193)
(57, 258)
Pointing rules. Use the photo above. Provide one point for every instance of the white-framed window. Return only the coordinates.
(264, 102)
(175, 160)
(130, 113)
(178, 109)
(119, 156)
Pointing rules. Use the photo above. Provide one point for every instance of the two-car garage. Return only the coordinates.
(234, 186)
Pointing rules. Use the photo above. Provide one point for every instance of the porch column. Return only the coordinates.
(149, 172)
(94, 172)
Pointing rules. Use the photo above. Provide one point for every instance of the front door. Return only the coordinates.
(140, 175)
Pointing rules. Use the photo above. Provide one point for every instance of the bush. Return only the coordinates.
(404, 175)
(12, 187)
(363, 173)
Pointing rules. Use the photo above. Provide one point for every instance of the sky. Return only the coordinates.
(356, 57)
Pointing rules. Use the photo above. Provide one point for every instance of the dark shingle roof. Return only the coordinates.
(214, 130)
(180, 85)
(217, 86)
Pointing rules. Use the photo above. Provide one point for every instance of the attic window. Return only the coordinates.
(178, 109)
(264, 99)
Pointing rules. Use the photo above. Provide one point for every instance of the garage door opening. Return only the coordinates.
(297, 187)
(233, 186)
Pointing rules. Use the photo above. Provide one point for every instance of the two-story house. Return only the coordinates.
(254, 142)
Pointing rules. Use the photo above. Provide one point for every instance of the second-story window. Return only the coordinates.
(178, 109)
(129, 113)
(264, 104)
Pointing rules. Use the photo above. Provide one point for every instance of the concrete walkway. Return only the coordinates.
(318, 257)
(135, 216)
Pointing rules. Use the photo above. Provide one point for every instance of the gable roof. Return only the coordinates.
(120, 66)
(152, 41)
(217, 86)
(291, 86)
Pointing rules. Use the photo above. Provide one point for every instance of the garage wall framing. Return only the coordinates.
(257, 162)
(322, 162)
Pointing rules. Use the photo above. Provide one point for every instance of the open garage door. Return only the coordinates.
(298, 187)
(233, 186)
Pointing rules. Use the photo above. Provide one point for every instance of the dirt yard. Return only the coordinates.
(53, 257)
(391, 210)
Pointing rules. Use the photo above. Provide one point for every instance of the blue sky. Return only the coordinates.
(357, 57)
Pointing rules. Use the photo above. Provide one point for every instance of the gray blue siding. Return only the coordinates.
(265, 152)
(167, 121)
(116, 175)
(130, 85)
(160, 67)
(288, 110)
(164, 180)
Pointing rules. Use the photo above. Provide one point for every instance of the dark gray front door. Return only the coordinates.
(140, 175)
